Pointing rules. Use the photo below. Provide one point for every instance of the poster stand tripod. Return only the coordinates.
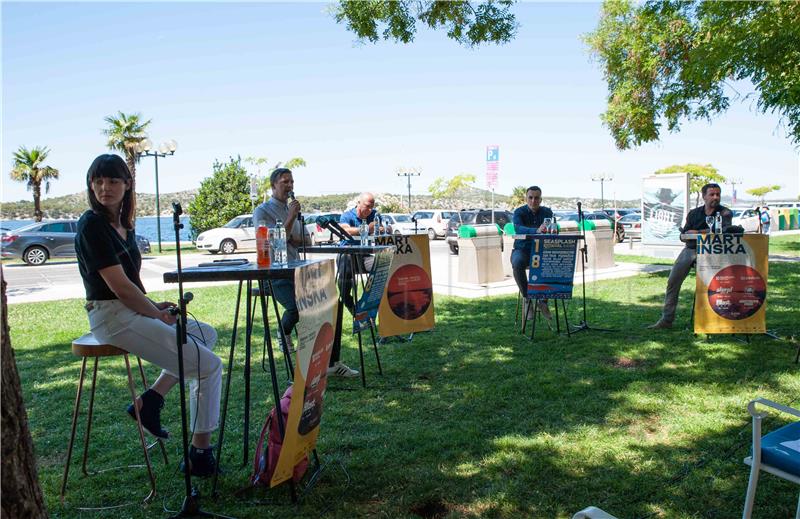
(191, 500)
(584, 324)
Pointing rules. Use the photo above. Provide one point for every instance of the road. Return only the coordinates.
(61, 280)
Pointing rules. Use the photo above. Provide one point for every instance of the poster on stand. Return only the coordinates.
(731, 285)
(552, 268)
(315, 291)
(368, 303)
(665, 203)
(407, 303)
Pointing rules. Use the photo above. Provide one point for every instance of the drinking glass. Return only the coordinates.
(710, 223)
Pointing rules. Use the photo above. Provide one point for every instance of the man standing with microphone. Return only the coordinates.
(283, 207)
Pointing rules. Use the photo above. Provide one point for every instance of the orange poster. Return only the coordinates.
(731, 293)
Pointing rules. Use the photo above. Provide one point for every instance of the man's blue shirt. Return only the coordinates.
(527, 222)
(351, 218)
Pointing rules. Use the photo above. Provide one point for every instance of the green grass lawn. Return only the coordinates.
(787, 245)
(470, 420)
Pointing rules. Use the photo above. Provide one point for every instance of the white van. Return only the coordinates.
(433, 221)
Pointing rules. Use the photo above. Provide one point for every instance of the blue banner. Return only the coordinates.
(552, 266)
(367, 306)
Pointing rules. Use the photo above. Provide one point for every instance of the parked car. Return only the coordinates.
(237, 234)
(632, 225)
(747, 218)
(401, 223)
(433, 221)
(316, 233)
(620, 212)
(36, 243)
(595, 216)
(473, 217)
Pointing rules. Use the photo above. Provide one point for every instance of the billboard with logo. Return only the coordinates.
(665, 203)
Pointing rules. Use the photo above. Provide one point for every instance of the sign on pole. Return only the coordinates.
(492, 165)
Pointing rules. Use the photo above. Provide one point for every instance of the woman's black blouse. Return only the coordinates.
(98, 245)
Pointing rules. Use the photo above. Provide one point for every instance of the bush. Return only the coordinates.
(222, 196)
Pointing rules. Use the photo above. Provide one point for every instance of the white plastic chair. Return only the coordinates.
(777, 452)
(593, 512)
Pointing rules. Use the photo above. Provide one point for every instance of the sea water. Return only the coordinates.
(145, 226)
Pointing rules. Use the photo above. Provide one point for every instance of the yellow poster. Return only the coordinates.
(315, 291)
(731, 293)
(407, 303)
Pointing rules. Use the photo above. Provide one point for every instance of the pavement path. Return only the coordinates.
(61, 280)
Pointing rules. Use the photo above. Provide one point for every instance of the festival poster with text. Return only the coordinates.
(407, 303)
(731, 293)
(367, 306)
(315, 291)
(552, 266)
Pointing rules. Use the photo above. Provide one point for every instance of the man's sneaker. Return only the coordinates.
(150, 413)
(201, 461)
(341, 370)
(660, 325)
(285, 350)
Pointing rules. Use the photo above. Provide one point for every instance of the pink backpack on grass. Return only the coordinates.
(266, 459)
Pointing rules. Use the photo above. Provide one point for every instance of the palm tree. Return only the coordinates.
(28, 167)
(124, 132)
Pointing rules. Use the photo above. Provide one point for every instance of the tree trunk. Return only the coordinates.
(37, 205)
(130, 159)
(22, 496)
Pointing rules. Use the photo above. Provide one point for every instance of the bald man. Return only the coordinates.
(364, 211)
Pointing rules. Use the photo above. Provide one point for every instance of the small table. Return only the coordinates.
(354, 251)
(244, 272)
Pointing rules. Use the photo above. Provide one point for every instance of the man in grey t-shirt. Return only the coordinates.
(279, 207)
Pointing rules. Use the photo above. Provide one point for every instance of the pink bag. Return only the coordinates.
(266, 460)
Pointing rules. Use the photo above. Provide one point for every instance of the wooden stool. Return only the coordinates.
(85, 347)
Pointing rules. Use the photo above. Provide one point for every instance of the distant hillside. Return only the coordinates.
(71, 206)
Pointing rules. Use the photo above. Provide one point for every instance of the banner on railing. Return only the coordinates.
(731, 286)
(407, 303)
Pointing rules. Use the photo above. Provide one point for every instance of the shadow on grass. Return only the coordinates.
(471, 419)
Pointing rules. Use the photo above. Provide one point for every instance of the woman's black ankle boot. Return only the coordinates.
(150, 413)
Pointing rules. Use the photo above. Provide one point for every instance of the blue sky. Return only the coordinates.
(283, 79)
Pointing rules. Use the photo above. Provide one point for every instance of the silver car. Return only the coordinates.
(38, 242)
(315, 233)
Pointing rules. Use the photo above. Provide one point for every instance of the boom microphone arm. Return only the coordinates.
(334, 228)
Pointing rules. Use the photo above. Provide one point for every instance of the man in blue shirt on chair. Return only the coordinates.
(528, 219)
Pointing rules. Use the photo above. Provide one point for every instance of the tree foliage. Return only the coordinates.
(222, 196)
(699, 175)
(262, 171)
(761, 192)
(670, 61)
(468, 23)
(124, 132)
(29, 167)
(444, 189)
(518, 196)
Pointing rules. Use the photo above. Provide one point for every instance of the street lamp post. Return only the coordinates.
(408, 174)
(144, 148)
(602, 177)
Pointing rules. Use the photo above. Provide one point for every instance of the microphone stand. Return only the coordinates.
(191, 500)
(302, 226)
(584, 324)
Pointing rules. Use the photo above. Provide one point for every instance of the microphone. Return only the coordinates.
(333, 227)
(177, 211)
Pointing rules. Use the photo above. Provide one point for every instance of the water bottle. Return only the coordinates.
(280, 246)
(262, 244)
(363, 231)
(718, 222)
(378, 224)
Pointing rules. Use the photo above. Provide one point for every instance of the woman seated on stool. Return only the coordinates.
(121, 315)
